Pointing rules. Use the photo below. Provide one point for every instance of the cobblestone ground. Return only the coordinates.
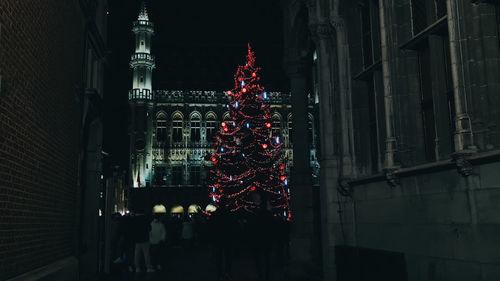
(199, 264)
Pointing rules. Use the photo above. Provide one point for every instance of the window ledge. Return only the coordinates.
(439, 27)
(476, 158)
(364, 74)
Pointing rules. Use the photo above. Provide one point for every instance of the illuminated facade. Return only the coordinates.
(172, 131)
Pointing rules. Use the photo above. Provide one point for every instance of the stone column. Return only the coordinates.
(463, 135)
(324, 39)
(390, 142)
(302, 246)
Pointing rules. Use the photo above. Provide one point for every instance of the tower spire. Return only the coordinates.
(143, 12)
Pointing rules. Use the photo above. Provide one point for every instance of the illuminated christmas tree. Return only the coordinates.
(248, 158)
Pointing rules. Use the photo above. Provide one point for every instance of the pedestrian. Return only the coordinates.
(157, 237)
(261, 228)
(141, 230)
(187, 233)
(223, 224)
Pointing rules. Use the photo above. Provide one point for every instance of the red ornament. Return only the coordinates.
(282, 167)
(264, 146)
(225, 129)
(254, 74)
(239, 79)
(268, 125)
(252, 188)
(214, 159)
(229, 93)
(244, 90)
(282, 178)
(223, 124)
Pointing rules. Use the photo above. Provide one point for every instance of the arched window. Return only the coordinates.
(290, 135)
(310, 130)
(210, 127)
(177, 127)
(161, 128)
(195, 128)
(276, 125)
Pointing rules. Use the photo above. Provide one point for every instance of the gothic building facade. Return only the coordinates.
(172, 131)
(409, 148)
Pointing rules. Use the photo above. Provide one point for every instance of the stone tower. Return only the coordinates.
(141, 102)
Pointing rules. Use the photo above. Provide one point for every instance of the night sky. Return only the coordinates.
(198, 46)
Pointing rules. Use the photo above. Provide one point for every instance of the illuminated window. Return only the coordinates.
(177, 175)
(210, 127)
(161, 128)
(310, 131)
(194, 175)
(177, 128)
(195, 128)
(290, 135)
(160, 176)
(276, 125)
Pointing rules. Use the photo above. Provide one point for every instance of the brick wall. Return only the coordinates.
(40, 64)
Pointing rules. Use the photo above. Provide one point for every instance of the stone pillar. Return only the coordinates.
(324, 38)
(302, 246)
(463, 135)
(390, 142)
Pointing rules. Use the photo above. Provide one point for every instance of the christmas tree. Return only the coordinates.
(248, 158)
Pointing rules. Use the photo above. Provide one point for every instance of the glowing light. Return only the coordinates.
(243, 154)
(213, 198)
(236, 104)
(178, 209)
(214, 159)
(282, 178)
(264, 146)
(286, 182)
(213, 189)
(244, 90)
(254, 74)
(242, 83)
(264, 95)
(159, 209)
(192, 209)
(223, 124)
(248, 125)
(210, 208)
(277, 139)
(268, 125)
(222, 149)
(229, 93)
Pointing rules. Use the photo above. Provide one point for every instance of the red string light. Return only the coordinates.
(240, 166)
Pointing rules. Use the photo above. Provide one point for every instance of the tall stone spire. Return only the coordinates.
(143, 12)
(140, 96)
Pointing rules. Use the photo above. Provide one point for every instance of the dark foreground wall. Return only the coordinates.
(40, 64)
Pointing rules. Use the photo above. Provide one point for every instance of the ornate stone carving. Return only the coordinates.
(464, 167)
(337, 22)
(391, 177)
(344, 188)
(321, 31)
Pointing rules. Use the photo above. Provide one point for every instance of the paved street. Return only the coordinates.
(198, 264)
